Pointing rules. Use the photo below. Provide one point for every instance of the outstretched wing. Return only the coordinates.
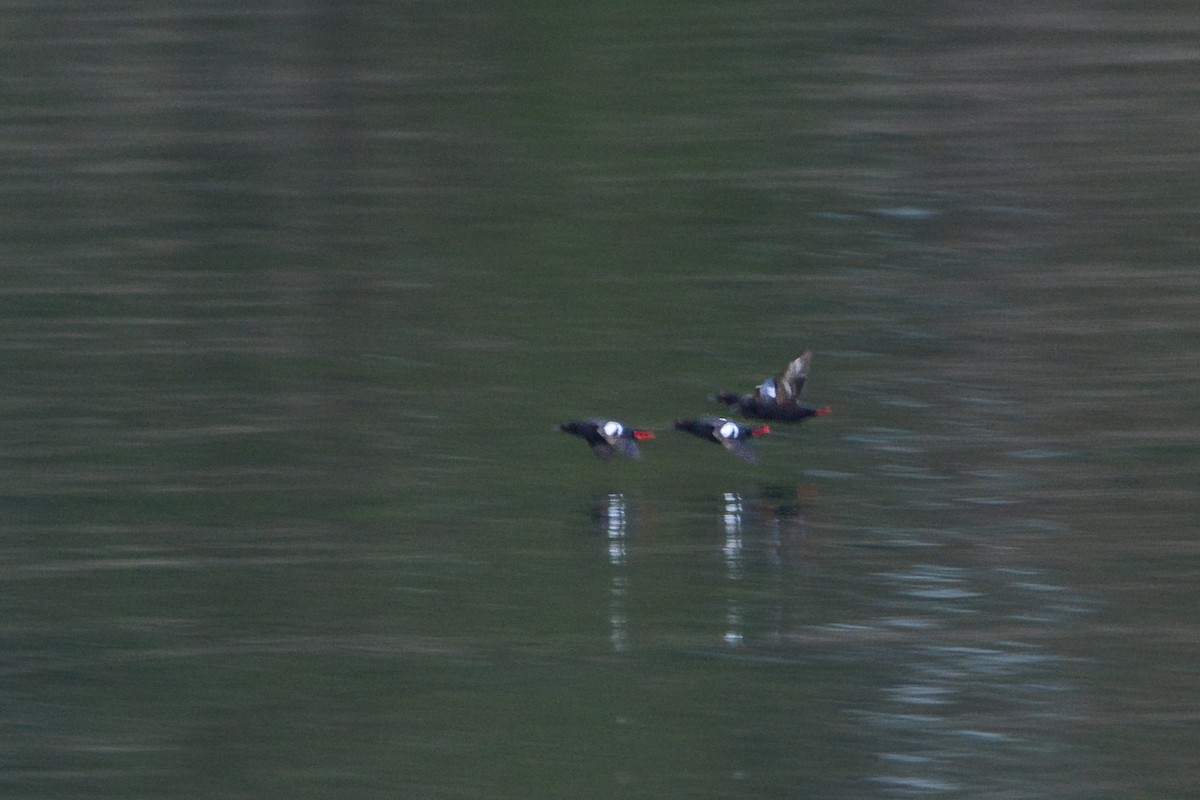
(602, 451)
(626, 445)
(740, 448)
(790, 384)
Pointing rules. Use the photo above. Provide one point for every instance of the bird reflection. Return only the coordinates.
(764, 542)
(615, 529)
(752, 569)
(732, 550)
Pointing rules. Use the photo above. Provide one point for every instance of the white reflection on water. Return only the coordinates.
(615, 529)
(763, 540)
(732, 551)
(968, 710)
(967, 685)
(942, 724)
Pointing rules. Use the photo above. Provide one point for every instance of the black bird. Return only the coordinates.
(607, 436)
(733, 437)
(777, 399)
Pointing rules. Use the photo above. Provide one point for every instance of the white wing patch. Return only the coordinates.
(767, 389)
(613, 428)
(728, 430)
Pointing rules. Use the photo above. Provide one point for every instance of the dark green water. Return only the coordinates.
(294, 298)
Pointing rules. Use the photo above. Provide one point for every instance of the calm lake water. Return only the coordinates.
(294, 299)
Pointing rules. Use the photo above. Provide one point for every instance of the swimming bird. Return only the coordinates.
(777, 399)
(606, 436)
(732, 436)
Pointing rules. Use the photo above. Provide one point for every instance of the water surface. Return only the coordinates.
(295, 298)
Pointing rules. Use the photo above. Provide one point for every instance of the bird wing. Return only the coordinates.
(626, 445)
(765, 392)
(603, 451)
(620, 439)
(740, 448)
(790, 384)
